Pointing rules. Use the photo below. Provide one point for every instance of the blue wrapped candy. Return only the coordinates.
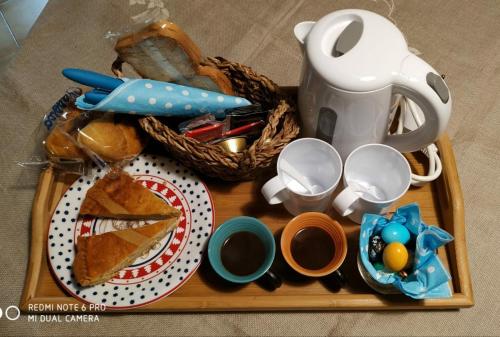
(429, 278)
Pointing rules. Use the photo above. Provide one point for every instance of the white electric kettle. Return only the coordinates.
(355, 62)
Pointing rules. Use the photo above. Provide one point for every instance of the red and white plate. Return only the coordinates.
(165, 267)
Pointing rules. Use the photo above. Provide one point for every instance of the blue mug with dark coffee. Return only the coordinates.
(242, 250)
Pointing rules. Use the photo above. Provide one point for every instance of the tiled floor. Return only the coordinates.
(16, 19)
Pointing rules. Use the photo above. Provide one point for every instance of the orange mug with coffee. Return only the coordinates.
(314, 244)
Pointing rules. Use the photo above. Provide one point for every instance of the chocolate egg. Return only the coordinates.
(375, 249)
(395, 256)
(395, 233)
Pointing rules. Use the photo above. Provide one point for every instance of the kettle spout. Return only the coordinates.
(301, 31)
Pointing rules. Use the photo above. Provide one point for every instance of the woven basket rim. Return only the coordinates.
(281, 127)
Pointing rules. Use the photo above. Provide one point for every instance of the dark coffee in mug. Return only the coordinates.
(312, 248)
(243, 253)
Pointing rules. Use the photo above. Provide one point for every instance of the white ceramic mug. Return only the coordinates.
(375, 176)
(306, 161)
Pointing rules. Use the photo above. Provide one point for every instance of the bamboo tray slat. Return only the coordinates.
(441, 204)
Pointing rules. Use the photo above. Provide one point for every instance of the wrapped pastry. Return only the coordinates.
(59, 143)
(110, 139)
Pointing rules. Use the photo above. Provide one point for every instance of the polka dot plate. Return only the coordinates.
(159, 272)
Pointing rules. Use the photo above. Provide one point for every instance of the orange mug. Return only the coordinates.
(329, 226)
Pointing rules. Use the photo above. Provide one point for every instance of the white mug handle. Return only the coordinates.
(271, 191)
(344, 201)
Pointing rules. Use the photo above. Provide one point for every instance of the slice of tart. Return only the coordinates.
(118, 196)
(100, 257)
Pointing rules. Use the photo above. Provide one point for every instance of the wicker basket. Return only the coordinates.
(213, 160)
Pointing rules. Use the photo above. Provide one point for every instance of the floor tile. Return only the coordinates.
(7, 42)
(21, 15)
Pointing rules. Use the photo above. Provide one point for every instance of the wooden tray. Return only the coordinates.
(441, 204)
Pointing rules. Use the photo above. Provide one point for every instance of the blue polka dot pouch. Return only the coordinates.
(427, 278)
(148, 97)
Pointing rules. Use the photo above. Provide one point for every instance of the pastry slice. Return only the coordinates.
(100, 257)
(118, 196)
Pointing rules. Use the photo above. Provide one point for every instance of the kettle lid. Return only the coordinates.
(356, 50)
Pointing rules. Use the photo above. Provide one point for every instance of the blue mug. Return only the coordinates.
(236, 225)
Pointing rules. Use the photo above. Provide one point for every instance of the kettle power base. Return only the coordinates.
(441, 204)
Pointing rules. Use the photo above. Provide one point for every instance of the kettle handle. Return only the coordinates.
(301, 30)
(418, 81)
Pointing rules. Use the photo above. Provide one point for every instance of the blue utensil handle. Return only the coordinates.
(100, 91)
(92, 79)
(95, 96)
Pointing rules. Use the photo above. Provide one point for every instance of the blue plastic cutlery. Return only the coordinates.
(95, 96)
(92, 79)
(103, 84)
